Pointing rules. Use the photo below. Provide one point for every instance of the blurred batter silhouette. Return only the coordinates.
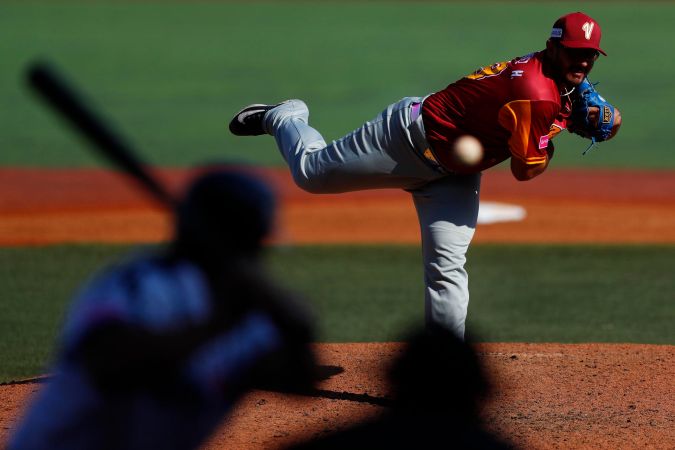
(156, 351)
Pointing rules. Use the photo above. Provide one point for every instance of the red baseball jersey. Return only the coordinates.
(511, 107)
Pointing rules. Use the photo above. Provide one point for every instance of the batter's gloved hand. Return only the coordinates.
(592, 116)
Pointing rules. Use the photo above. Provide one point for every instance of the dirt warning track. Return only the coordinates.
(54, 206)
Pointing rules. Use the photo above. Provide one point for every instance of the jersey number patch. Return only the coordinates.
(488, 71)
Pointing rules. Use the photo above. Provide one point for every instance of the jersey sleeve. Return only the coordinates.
(530, 124)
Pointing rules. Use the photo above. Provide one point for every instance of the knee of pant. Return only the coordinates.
(443, 276)
(313, 185)
(447, 266)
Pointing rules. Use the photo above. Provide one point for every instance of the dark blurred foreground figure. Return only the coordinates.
(157, 350)
(438, 386)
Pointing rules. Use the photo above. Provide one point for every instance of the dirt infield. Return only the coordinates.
(546, 395)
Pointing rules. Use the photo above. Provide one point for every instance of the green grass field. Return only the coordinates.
(519, 293)
(171, 74)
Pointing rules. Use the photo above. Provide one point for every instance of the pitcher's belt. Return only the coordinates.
(419, 138)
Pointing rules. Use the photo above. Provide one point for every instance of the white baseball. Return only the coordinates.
(468, 150)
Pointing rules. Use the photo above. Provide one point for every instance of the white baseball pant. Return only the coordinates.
(386, 152)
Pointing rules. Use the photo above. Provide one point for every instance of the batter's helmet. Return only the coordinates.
(225, 212)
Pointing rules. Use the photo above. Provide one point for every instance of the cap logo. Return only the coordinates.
(588, 30)
(556, 33)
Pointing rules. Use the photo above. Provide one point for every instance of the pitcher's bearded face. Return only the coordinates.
(572, 65)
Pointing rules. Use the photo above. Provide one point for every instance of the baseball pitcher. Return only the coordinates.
(514, 108)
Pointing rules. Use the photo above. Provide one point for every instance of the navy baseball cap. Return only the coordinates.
(578, 30)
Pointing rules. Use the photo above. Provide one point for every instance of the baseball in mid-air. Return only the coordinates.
(468, 150)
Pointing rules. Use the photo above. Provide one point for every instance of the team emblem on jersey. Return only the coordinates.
(588, 30)
(488, 71)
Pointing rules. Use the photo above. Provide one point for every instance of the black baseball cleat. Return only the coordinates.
(249, 121)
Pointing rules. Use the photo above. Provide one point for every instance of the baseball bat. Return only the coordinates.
(63, 98)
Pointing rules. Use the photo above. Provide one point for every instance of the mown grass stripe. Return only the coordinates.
(520, 293)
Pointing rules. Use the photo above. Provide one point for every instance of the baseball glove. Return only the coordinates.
(584, 121)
